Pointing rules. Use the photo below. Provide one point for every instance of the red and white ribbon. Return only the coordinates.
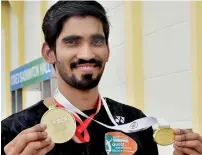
(134, 126)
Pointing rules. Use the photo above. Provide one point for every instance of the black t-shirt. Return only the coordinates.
(13, 125)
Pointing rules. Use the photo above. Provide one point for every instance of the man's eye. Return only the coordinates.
(71, 42)
(98, 42)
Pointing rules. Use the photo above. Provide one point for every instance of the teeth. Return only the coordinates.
(86, 66)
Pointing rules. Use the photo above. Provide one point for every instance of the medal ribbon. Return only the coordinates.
(134, 126)
(78, 138)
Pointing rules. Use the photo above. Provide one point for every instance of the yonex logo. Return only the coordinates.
(120, 119)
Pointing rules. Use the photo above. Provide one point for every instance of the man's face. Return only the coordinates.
(81, 52)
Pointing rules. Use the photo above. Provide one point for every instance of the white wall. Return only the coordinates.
(113, 80)
(14, 39)
(167, 71)
(32, 30)
(50, 3)
(32, 44)
(3, 93)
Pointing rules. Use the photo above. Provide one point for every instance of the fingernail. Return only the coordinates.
(43, 126)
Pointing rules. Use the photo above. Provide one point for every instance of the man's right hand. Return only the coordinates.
(32, 141)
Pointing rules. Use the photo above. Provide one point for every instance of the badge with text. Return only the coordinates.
(117, 143)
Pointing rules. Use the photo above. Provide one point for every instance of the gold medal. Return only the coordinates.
(164, 136)
(61, 125)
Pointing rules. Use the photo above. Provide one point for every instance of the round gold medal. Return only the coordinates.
(164, 136)
(61, 124)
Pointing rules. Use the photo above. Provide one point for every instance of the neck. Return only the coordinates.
(83, 100)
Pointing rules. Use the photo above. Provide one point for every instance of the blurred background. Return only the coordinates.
(155, 61)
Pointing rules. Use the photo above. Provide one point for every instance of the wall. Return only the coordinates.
(32, 30)
(196, 65)
(32, 45)
(3, 94)
(6, 56)
(167, 72)
(14, 39)
(113, 81)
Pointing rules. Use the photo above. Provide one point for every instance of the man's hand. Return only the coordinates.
(32, 141)
(187, 143)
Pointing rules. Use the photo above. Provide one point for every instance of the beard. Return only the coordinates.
(87, 81)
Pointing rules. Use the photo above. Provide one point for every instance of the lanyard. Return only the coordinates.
(134, 126)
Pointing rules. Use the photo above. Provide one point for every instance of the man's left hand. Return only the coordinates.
(187, 143)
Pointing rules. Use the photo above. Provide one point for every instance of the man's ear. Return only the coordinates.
(48, 54)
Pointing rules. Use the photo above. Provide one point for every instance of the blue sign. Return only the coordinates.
(31, 73)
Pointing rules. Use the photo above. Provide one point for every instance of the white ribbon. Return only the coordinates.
(134, 126)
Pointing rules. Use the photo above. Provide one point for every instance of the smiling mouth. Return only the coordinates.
(86, 67)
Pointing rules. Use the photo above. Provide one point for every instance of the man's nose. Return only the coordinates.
(86, 53)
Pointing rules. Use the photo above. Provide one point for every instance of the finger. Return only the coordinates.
(46, 149)
(8, 148)
(182, 131)
(32, 147)
(177, 152)
(36, 128)
(27, 138)
(186, 150)
(195, 145)
(188, 137)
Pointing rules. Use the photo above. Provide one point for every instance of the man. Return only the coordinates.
(76, 43)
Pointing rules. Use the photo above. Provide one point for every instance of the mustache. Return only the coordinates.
(97, 63)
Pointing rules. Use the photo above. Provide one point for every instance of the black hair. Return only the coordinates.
(63, 10)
